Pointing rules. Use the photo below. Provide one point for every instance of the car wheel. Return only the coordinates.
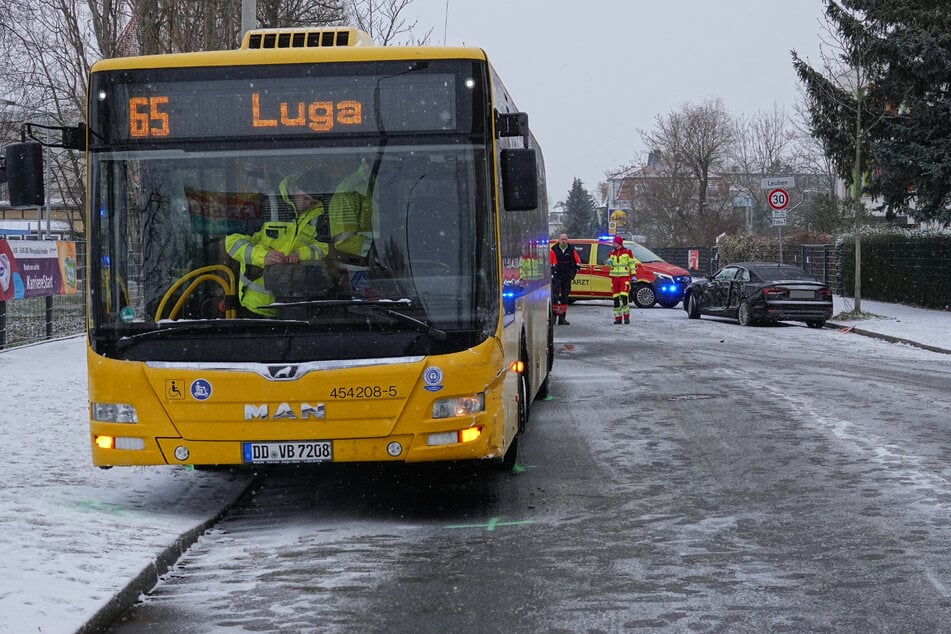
(816, 324)
(744, 315)
(643, 295)
(693, 306)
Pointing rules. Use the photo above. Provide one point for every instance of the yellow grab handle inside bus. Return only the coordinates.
(219, 273)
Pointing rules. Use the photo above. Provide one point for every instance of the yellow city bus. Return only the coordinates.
(432, 347)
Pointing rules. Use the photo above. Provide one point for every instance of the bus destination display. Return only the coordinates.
(241, 108)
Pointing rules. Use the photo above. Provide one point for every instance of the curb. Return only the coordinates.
(888, 338)
(143, 583)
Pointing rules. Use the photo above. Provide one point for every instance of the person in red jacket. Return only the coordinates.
(623, 269)
(565, 263)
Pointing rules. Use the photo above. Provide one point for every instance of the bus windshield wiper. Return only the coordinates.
(167, 329)
(384, 306)
(429, 329)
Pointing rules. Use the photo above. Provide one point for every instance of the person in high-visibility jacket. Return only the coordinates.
(623, 270)
(292, 241)
(351, 218)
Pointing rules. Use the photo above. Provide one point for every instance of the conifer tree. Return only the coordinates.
(581, 218)
(892, 126)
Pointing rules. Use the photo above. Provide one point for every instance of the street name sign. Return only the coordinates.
(773, 182)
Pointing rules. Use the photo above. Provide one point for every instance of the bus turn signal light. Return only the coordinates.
(105, 442)
(452, 437)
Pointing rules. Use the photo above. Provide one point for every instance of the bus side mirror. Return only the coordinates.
(519, 179)
(24, 167)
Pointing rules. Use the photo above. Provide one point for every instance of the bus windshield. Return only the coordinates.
(285, 199)
(165, 214)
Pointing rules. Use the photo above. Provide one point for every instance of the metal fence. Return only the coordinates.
(914, 273)
(26, 321)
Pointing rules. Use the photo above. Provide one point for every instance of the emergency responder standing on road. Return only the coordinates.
(623, 270)
(289, 239)
(565, 263)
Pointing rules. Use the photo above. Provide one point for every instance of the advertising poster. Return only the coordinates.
(37, 268)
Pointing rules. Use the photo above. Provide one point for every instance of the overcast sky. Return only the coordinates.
(591, 74)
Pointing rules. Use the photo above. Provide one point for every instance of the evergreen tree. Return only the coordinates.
(893, 124)
(581, 218)
(912, 149)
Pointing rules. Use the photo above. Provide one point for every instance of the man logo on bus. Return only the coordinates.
(284, 411)
(433, 379)
(282, 371)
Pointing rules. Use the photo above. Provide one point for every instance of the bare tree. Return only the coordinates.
(297, 13)
(660, 196)
(823, 211)
(385, 22)
(761, 147)
(50, 46)
(694, 144)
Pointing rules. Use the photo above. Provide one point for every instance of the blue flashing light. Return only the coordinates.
(508, 302)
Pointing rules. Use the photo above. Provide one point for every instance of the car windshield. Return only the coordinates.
(642, 253)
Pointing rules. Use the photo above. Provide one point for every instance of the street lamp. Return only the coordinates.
(46, 185)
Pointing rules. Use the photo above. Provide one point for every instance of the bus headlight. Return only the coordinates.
(114, 413)
(459, 406)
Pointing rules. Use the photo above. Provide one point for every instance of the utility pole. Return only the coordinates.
(248, 16)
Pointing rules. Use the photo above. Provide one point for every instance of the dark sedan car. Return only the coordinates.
(752, 292)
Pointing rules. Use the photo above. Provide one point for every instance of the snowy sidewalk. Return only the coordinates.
(929, 329)
(76, 541)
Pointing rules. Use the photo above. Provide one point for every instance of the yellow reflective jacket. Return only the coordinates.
(298, 236)
(622, 263)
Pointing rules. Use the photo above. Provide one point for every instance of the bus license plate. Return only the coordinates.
(296, 451)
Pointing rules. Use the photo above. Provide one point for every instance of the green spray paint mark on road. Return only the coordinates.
(491, 524)
(97, 505)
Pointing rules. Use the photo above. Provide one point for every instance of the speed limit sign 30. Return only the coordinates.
(778, 199)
